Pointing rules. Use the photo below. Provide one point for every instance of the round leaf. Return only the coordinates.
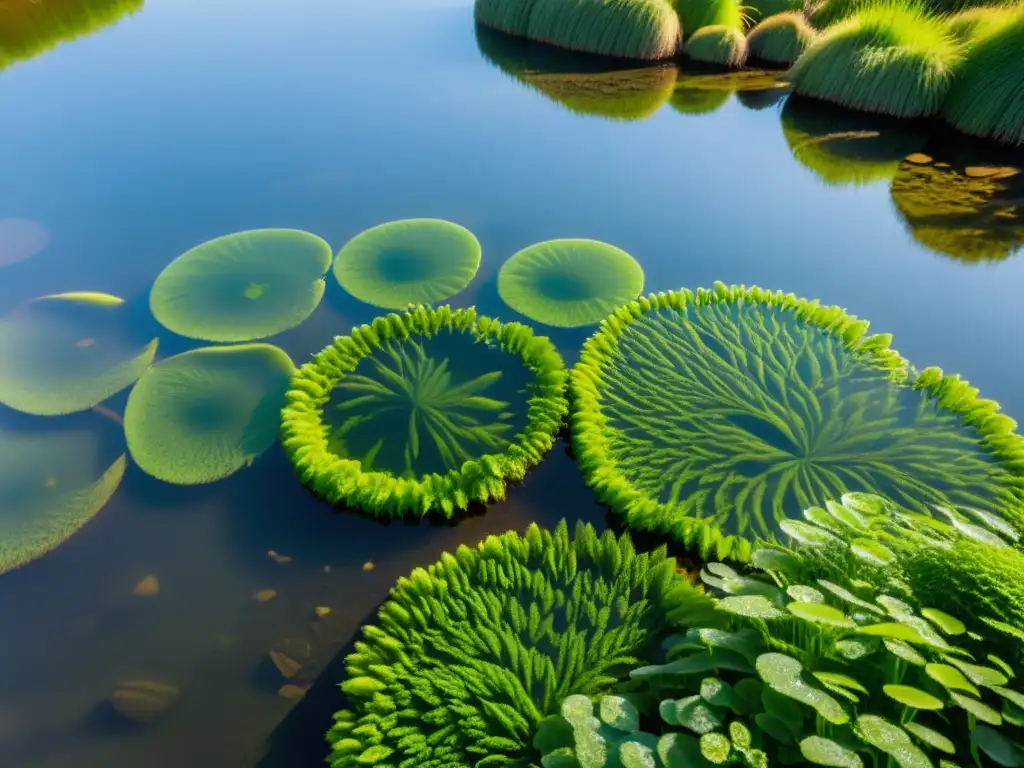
(821, 751)
(715, 748)
(948, 624)
(618, 713)
(892, 740)
(821, 614)
(750, 606)
(912, 697)
(784, 674)
(931, 737)
(949, 677)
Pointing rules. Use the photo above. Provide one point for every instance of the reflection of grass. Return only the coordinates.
(29, 27)
(703, 93)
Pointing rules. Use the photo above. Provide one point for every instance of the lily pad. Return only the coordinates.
(894, 631)
(618, 713)
(822, 751)
(948, 624)
(912, 697)
(784, 674)
(979, 709)
(873, 552)
(821, 614)
(750, 606)
(715, 748)
(805, 594)
(697, 715)
(931, 737)
(892, 740)
(903, 651)
(950, 678)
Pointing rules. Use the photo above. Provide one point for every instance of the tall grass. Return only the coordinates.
(697, 14)
(630, 29)
(891, 58)
(976, 23)
(780, 39)
(718, 44)
(987, 97)
(759, 10)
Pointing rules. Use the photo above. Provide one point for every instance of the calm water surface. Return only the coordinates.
(196, 118)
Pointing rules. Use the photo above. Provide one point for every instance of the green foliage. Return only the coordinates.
(707, 417)
(971, 211)
(342, 479)
(987, 97)
(780, 39)
(584, 85)
(29, 27)
(472, 653)
(569, 283)
(824, 673)
(697, 14)
(976, 23)
(890, 58)
(759, 10)
(718, 44)
(628, 29)
(202, 415)
(68, 352)
(55, 475)
(412, 261)
(847, 148)
(244, 286)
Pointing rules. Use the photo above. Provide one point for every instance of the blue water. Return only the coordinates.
(196, 118)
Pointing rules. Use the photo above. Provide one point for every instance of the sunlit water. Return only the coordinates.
(193, 119)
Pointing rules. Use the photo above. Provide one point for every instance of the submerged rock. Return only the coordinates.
(147, 587)
(322, 611)
(368, 566)
(143, 701)
(264, 595)
(286, 665)
(291, 691)
(278, 558)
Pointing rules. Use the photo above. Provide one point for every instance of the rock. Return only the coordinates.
(264, 595)
(278, 558)
(368, 566)
(918, 158)
(989, 172)
(327, 569)
(143, 701)
(148, 587)
(286, 665)
(321, 611)
(291, 691)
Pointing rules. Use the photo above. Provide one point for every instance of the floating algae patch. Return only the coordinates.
(29, 27)
(412, 261)
(55, 475)
(569, 283)
(202, 415)
(244, 286)
(586, 85)
(842, 147)
(68, 352)
(970, 210)
(423, 412)
(714, 416)
(480, 648)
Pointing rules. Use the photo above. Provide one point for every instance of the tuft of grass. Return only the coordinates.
(718, 44)
(694, 15)
(759, 10)
(628, 29)
(780, 39)
(888, 58)
(976, 23)
(509, 16)
(987, 97)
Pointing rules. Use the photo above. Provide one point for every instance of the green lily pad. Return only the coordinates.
(912, 697)
(716, 692)
(805, 594)
(821, 614)
(855, 648)
(679, 750)
(903, 651)
(639, 751)
(822, 751)
(739, 734)
(841, 680)
(950, 678)
(847, 515)
(697, 715)
(784, 674)
(892, 740)
(894, 631)
(806, 534)
(715, 748)
(984, 676)
(553, 733)
(578, 710)
(848, 596)
(948, 624)
(697, 663)
(619, 713)
(1010, 695)
(750, 606)
(1006, 668)
(873, 552)
(931, 737)
(979, 709)
(896, 608)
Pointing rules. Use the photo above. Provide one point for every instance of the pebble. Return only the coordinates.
(143, 701)
(265, 595)
(278, 558)
(147, 587)
(322, 611)
(918, 158)
(291, 691)
(368, 566)
(286, 665)
(988, 172)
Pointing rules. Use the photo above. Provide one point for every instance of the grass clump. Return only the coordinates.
(718, 44)
(470, 654)
(976, 23)
(509, 16)
(780, 39)
(987, 97)
(887, 58)
(709, 417)
(697, 14)
(628, 29)
(759, 10)
(453, 415)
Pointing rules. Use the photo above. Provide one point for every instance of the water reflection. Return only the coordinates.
(701, 90)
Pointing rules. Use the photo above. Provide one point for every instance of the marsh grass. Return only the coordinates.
(976, 23)
(629, 29)
(510, 16)
(719, 44)
(697, 14)
(890, 58)
(780, 39)
(759, 10)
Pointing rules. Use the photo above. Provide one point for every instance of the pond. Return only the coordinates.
(188, 120)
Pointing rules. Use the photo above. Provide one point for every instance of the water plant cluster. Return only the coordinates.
(902, 58)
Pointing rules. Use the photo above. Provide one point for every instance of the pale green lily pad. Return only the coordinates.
(894, 631)
(822, 751)
(578, 710)
(1002, 750)
(892, 740)
(948, 624)
(896, 608)
(619, 713)
(873, 552)
(740, 735)
(805, 594)
(984, 676)
(848, 596)
(931, 737)
(912, 697)
(1010, 695)
(750, 606)
(841, 680)
(855, 648)
(639, 751)
(903, 651)
(784, 674)
(1006, 668)
(821, 614)
(1003, 527)
(767, 559)
(950, 678)
(715, 748)
(979, 709)
(697, 715)
(806, 534)
(716, 692)
(848, 516)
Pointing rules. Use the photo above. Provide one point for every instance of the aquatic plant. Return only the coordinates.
(780, 39)
(972, 211)
(509, 16)
(987, 97)
(569, 283)
(67, 352)
(447, 412)
(21, 239)
(976, 23)
(718, 44)
(200, 416)
(628, 29)
(890, 58)
(582, 84)
(470, 654)
(244, 286)
(697, 14)
(711, 416)
(54, 477)
(411, 261)
(822, 673)
(842, 147)
(29, 27)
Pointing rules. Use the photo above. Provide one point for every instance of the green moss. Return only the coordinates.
(471, 653)
(712, 417)
(987, 98)
(584, 85)
(887, 58)
(697, 14)
(718, 44)
(780, 39)
(200, 416)
(459, 418)
(240, 287)
(569, 283)
(68, 352)
(627, 29)
(972, 212)
(29, 27)
(55, 476)
(412, 261)
(509, 16)
(842, 147)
